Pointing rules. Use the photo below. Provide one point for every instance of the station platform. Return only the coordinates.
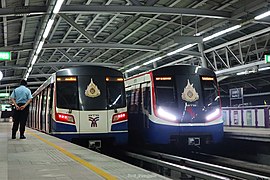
(246, 133)
(44, 157)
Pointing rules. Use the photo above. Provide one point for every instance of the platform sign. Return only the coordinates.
(236, 93)
(267, 58)
(5, 56)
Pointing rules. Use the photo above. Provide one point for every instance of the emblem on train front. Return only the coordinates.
(92, 90)
(190, 94)
(93, 118)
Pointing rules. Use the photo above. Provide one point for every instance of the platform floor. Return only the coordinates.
(246, 133)
(44, 157)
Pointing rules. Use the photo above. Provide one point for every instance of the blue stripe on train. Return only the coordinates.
(123, 126)
(60, 127)
(160, 134)
(118, 138)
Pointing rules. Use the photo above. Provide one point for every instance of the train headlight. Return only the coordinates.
(166, 115)
(213, 115)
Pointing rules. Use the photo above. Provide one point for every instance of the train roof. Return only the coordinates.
(89, 70)
(178, 69)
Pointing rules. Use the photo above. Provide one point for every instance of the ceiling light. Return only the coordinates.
(57, 6)
(39, 47)
(263, 15)
(180, 49)
(48, 28)
(131, 69)
(264, 68)
(221, 32)
(34, 60)
(151, 61)
(1, 75)
(30, 69)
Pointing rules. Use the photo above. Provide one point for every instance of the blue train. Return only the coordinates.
(174, 105)
(84, 102)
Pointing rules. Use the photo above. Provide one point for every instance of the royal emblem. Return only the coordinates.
(92, 90)
(190, 94)
(93, 118)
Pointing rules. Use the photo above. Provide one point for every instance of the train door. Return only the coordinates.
(43, 110)
(48, 115)
(93, 104)
(146, 104)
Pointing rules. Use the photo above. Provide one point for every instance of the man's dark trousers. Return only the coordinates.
(20, 118)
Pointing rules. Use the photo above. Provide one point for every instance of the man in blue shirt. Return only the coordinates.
(21, 98)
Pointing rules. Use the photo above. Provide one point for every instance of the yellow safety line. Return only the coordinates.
(76, 158)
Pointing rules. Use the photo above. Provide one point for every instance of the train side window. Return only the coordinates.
(135, 99)
(128, 97)
(146, 99)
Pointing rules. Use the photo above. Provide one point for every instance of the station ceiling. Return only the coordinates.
(127, 34)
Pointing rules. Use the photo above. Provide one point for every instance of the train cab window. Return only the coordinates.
(116, 92)
(165, 93)
(67, 93)
(210, 91)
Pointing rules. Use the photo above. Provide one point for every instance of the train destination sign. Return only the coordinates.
(5, 56)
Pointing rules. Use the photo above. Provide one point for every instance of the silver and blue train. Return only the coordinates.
(86, 102)
(174, 105)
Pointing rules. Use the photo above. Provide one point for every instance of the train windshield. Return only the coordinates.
(116, 92)
(185, 98)
(90, 93)
(67, 93)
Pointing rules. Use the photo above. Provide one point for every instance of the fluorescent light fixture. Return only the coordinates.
(151, 61)
(34, 60)
(131, 69)
(1, 75)
(26, 76)
(221, 32)
(264, 68)
(241, 73)
(263, 15)
(57, 6)
(39, 47)
(180, 49)
(246, 72)
(30, 69)
(48, 28)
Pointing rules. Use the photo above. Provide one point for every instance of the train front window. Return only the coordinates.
(165, 93)
(210, 92)
(166, 100)
(116, 92)
(67, 92)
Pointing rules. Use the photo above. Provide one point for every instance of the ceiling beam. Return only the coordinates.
(82, 45)
(77, 27)
(82, 9)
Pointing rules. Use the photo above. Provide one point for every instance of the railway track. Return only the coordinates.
(176, 167)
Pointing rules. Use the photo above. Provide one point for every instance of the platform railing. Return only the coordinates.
(246, 116)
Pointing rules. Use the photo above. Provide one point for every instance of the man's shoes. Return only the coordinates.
(13, 137)
(22, 137)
